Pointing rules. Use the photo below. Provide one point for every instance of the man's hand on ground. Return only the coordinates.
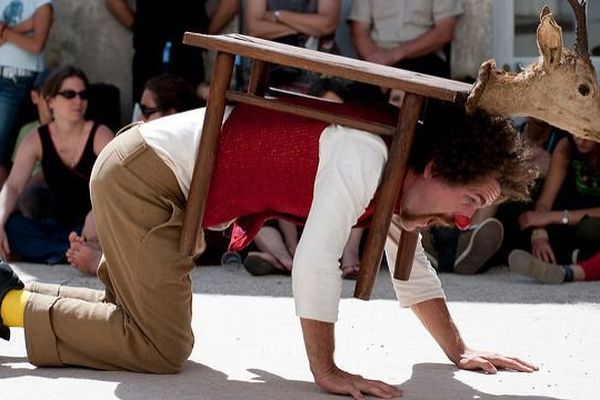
(490, 362)
(341, 382)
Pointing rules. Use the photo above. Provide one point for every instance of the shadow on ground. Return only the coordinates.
(428, 381)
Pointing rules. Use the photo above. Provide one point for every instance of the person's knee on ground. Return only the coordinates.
(171, 360)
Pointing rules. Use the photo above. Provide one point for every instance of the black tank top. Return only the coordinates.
(69, 187)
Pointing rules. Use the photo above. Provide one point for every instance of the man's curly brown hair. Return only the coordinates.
(467, 149)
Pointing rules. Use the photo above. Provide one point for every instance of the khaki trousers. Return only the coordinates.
(142, 322)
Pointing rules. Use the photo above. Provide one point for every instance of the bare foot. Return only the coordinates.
(82, 255)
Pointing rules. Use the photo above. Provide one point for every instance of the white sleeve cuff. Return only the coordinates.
(423, 283)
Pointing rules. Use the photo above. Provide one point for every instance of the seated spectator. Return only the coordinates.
(162, 95)
(524, 263)
(303, 23)
(67, 148)
(24, 29)
(564, 220)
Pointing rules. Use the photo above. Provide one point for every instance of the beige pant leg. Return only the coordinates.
(138, 206)
(86, 294)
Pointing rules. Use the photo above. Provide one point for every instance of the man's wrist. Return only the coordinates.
(277, 16)
(319, 343)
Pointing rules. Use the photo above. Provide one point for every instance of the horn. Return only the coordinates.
(581, 47)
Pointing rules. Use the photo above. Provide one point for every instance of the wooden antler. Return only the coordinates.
(581, 47)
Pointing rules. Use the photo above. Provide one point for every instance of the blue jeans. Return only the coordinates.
(13, 95)
(38, 240)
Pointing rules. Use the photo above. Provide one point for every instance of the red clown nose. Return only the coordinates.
(462, 222)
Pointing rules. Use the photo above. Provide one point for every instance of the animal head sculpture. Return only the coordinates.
(561, 88)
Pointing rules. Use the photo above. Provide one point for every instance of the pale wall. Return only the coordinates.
(473, 40)
(85, 34)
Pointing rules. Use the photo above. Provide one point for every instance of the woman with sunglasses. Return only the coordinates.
(67, 148)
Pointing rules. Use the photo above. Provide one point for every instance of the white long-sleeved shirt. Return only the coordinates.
(350, 168)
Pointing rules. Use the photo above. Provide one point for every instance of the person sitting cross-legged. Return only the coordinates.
(67, 148)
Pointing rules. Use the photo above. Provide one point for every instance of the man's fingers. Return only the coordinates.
(530, 365)
(357, 386)
(490, 364)
(515, 364)
(379, 389)
(356, 394)
(478, 363)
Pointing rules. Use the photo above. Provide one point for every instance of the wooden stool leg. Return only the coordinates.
(207, 151)
(393, 179)
(258, 77)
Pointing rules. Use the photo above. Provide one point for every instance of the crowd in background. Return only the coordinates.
(53, 124)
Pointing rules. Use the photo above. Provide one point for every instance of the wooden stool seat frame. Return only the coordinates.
(264, 52)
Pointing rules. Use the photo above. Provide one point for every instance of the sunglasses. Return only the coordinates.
(148, 111)
(71, 94)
